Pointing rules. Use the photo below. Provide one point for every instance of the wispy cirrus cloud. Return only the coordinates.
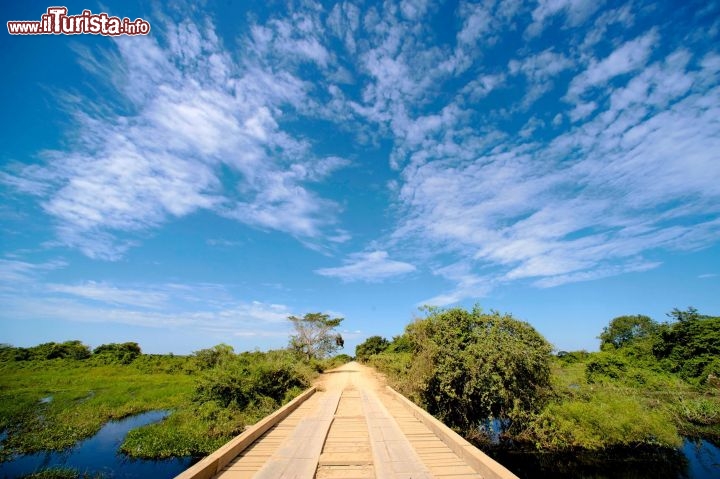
(368, 266)
(13, 271)
(242, 319)
(575, 13)
(185, 114)
(107, 293)
(200, 307)
(630, 56)
(592, 203)
(569, 161)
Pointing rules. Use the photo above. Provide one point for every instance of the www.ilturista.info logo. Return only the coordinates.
(57, 22)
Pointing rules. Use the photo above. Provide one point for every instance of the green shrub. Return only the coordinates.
(211, 357)
(703, 411)
(117, 353)
(372, 345)
(604, 366)
(473, 367)
(601, 420)
(251, 377)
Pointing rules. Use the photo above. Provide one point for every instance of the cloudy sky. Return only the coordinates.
(245, 161)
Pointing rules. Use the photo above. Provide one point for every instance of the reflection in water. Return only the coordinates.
(697, 460)
(99, 454)
(703, 459)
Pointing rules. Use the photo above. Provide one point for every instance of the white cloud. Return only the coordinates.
(254, 318)
(467, 285)
(576, 12)
(107, 293)
(191, 307)
(582, 110)
(482, 86)
(368, 266)
(185, 112)
(539, 71)
(630, 56)
(604, 272)
(14, 271)
(635, 178)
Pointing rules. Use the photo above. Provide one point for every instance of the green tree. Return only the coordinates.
(625, 329)
(211, 357)
(690, 346)
(315, 336)
(124, 353)
(474, 367)
(372, 345)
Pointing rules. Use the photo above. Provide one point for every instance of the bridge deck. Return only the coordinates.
(353, 427)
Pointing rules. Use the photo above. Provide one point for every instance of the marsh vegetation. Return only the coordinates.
(497, 382)
(54, 395)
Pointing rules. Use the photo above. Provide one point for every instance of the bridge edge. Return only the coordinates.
(477, 459)
(210, 465)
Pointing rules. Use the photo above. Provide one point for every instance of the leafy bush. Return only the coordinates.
(474, 367)
(335, 361)
(604, 366)
(211, 357)
(690, 346)
(702, 411)
(600, 420)
(250, 378)
(194, 431)
(68, 350)
(372, 345)
(121, 353)
(572, 357)
(626, 329)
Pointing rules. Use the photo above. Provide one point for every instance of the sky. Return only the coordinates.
(558, 160)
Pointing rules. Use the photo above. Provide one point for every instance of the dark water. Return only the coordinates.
(99, 455)
(697, 459)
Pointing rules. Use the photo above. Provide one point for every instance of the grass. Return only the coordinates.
(628, 406)
(639, 406)
(51, 405)
(61, 473)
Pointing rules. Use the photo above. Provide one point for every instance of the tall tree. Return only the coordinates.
(315, 335)
(625, 329)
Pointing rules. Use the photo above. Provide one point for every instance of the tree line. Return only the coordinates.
(74, 349)
(490, 376)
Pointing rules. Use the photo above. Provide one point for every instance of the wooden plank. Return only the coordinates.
(393, 456)
(212, 464)
(473, 456)
(299, 455)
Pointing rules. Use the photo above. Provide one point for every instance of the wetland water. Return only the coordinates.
(697, 459)
(99, 455)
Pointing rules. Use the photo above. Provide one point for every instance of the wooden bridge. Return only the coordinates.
(350, 425)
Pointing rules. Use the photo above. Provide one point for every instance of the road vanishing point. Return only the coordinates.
(348, 425)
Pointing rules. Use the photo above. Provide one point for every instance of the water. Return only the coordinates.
(99, 455)
(703, 459)
(697, 459)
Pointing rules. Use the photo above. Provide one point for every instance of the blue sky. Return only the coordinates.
(558, 160)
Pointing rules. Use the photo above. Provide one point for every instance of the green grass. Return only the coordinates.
(209, 404)
(630, 406)
(61, 473)
(83, 396)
